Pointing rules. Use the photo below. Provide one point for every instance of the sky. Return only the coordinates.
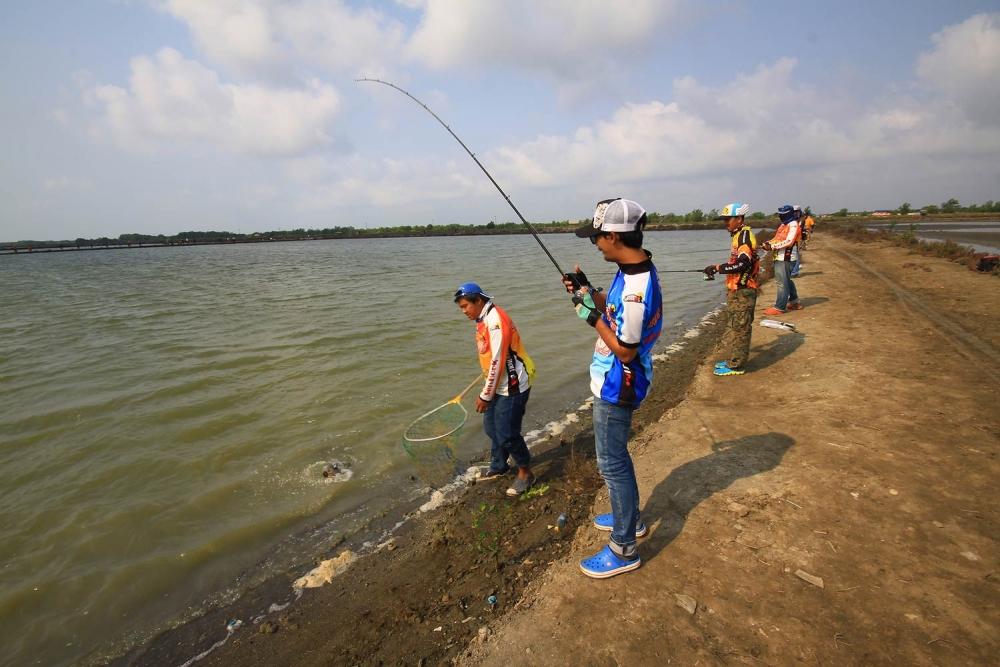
(161, 116)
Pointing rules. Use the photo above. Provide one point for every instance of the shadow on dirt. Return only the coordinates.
(672, 500)
(813, 301)
(765, 355)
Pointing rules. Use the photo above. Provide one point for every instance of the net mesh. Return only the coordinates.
(431, 440)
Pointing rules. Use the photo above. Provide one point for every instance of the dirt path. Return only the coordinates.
(861, 451)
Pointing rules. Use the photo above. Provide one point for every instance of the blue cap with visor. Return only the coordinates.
(470, 289)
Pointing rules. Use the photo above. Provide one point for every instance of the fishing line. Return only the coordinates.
(476, 160)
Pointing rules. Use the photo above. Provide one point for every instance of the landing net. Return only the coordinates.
(431, 439)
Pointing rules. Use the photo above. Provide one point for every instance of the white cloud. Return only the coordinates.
(268, 36)
(965, 66)
(171, 98)
(761, 121)
(574, 39)
(232, 32)
(761, 132)
(576, 44)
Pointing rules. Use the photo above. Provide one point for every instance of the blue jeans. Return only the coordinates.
(502, 423)
(611, 427)
(797, 264)
(786, 287)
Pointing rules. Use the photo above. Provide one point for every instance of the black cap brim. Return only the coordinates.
(586, 231)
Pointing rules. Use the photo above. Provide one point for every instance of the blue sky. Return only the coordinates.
(159, 116)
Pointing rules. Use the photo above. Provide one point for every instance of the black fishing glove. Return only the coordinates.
(710, 270)
(579, 280)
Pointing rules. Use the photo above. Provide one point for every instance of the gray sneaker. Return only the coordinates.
(521, 485)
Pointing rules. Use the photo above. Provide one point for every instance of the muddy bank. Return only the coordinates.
(423, 596)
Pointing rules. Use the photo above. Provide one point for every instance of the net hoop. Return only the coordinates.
(408, 438)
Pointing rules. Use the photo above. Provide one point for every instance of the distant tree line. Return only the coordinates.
(696, 219)
(693, 220)
(952, 205)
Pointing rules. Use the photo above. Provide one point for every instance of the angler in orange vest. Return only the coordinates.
(807, 226)
(786, 251)
(741, 283)
(509, 371)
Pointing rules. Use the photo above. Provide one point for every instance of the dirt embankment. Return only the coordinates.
(835, 505)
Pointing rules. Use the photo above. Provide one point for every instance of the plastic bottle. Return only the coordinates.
(775, 324)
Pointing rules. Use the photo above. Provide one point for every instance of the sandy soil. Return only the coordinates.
(859, 453)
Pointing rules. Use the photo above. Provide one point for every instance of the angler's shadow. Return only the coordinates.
(771, 353)
(813, 301)
(672, 500)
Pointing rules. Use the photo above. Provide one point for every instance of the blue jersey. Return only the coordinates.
(634, 312)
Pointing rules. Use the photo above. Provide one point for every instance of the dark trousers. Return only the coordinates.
(502, 423)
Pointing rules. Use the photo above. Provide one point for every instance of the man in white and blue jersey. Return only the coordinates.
(628, 319)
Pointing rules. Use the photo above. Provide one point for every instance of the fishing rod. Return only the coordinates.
(473, 156)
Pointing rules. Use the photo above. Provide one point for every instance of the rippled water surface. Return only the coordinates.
(166, 412)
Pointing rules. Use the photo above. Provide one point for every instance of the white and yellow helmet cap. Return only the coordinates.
(733, 210)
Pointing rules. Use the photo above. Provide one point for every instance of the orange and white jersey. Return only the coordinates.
(502, 355)
(785, 243)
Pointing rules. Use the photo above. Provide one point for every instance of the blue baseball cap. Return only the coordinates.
(470, 289)
(786, 213)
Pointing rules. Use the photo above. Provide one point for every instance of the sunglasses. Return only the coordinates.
(593, 239)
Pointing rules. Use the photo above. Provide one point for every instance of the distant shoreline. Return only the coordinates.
(54, 246)
(43, 247)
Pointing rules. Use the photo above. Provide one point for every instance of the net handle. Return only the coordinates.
(458, 399)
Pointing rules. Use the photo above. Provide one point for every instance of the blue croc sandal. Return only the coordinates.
(720, 364)
(606, 563)
(607, 522)
(726, 370)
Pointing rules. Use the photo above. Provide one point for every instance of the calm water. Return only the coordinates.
(165, 412)
(981, 235)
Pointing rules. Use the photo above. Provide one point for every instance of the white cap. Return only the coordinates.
(615, 215)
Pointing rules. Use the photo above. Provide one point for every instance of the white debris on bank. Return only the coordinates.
(325, 572)
(690, 334)
(554, 428)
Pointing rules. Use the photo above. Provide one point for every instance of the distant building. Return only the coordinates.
(881, 214)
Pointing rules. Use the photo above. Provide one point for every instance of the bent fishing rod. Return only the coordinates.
(473, 156)
(493, 180)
